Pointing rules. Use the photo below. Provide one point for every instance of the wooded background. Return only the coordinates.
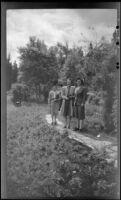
(40, 65)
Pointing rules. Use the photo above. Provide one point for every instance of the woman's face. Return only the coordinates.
(68, 82)
(78, 82)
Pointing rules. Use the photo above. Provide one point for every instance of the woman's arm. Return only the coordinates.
(75, 95)
(63, 95)
(84, 96)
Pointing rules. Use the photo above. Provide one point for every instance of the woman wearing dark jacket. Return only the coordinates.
(79, 103)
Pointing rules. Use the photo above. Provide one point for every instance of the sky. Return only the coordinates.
(58, 25)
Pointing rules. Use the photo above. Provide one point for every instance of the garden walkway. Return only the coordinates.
(95, 143)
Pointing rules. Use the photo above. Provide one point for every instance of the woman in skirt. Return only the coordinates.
(60, 86)
(67, 103)
(54, 102)
(79, 104)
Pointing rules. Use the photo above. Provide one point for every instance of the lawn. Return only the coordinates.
(41, 162)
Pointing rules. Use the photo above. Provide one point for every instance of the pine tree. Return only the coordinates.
(9, 72)
(14, 73)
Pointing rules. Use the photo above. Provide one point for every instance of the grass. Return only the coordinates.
(41, 162)
(31, 152)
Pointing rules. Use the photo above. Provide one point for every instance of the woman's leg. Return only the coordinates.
(70, 113)
(78, 123)
(78, 115)
(76, 127)
(65, 125)
(81, 124)
(69, 121)
(82, 117)
(52, 119)
(55, 119)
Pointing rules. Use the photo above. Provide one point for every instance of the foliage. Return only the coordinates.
(12, 72)
(115, 111)
(94, 112)
(38, 65)
(20, 93)
(43, 163)
(103, 79)
(9, 69)
(74, 64)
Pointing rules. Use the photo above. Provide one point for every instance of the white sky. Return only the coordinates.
(58, 25)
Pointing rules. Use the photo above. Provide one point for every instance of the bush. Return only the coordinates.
(90, 109)
(114, 115)
(95, 123)
(52, 165)
(20, 92)
(95, 98)
(92, 173)
(94, 111)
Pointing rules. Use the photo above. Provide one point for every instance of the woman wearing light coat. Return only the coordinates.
(67, 103)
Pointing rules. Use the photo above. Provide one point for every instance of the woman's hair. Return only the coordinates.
(68, 78)
(60, 83)
(55, 82)
(81, 79)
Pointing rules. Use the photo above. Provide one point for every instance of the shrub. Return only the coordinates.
(20, 93)
(94, 122)
(90, 109)
(94, 174)
(114, 115)
(61, 167)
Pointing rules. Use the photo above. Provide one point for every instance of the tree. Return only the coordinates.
(74, 64)
(14, 72)
(39, 66)
(100, 70)
(62, 52)
(9, 72)
(109, 84)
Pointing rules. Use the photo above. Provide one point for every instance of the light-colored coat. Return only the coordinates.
(64, 94)
(53, 103)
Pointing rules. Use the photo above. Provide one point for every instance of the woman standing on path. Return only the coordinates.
(79, 104)
(67, 103)
(60, 86)
(54, 101)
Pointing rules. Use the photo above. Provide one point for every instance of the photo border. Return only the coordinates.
(42, 5)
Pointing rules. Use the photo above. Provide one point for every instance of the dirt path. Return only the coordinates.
(95, 143)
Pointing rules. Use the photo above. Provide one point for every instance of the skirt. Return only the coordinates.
(54, 108)
(66, 108)
(60, 104)
(79, 112)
